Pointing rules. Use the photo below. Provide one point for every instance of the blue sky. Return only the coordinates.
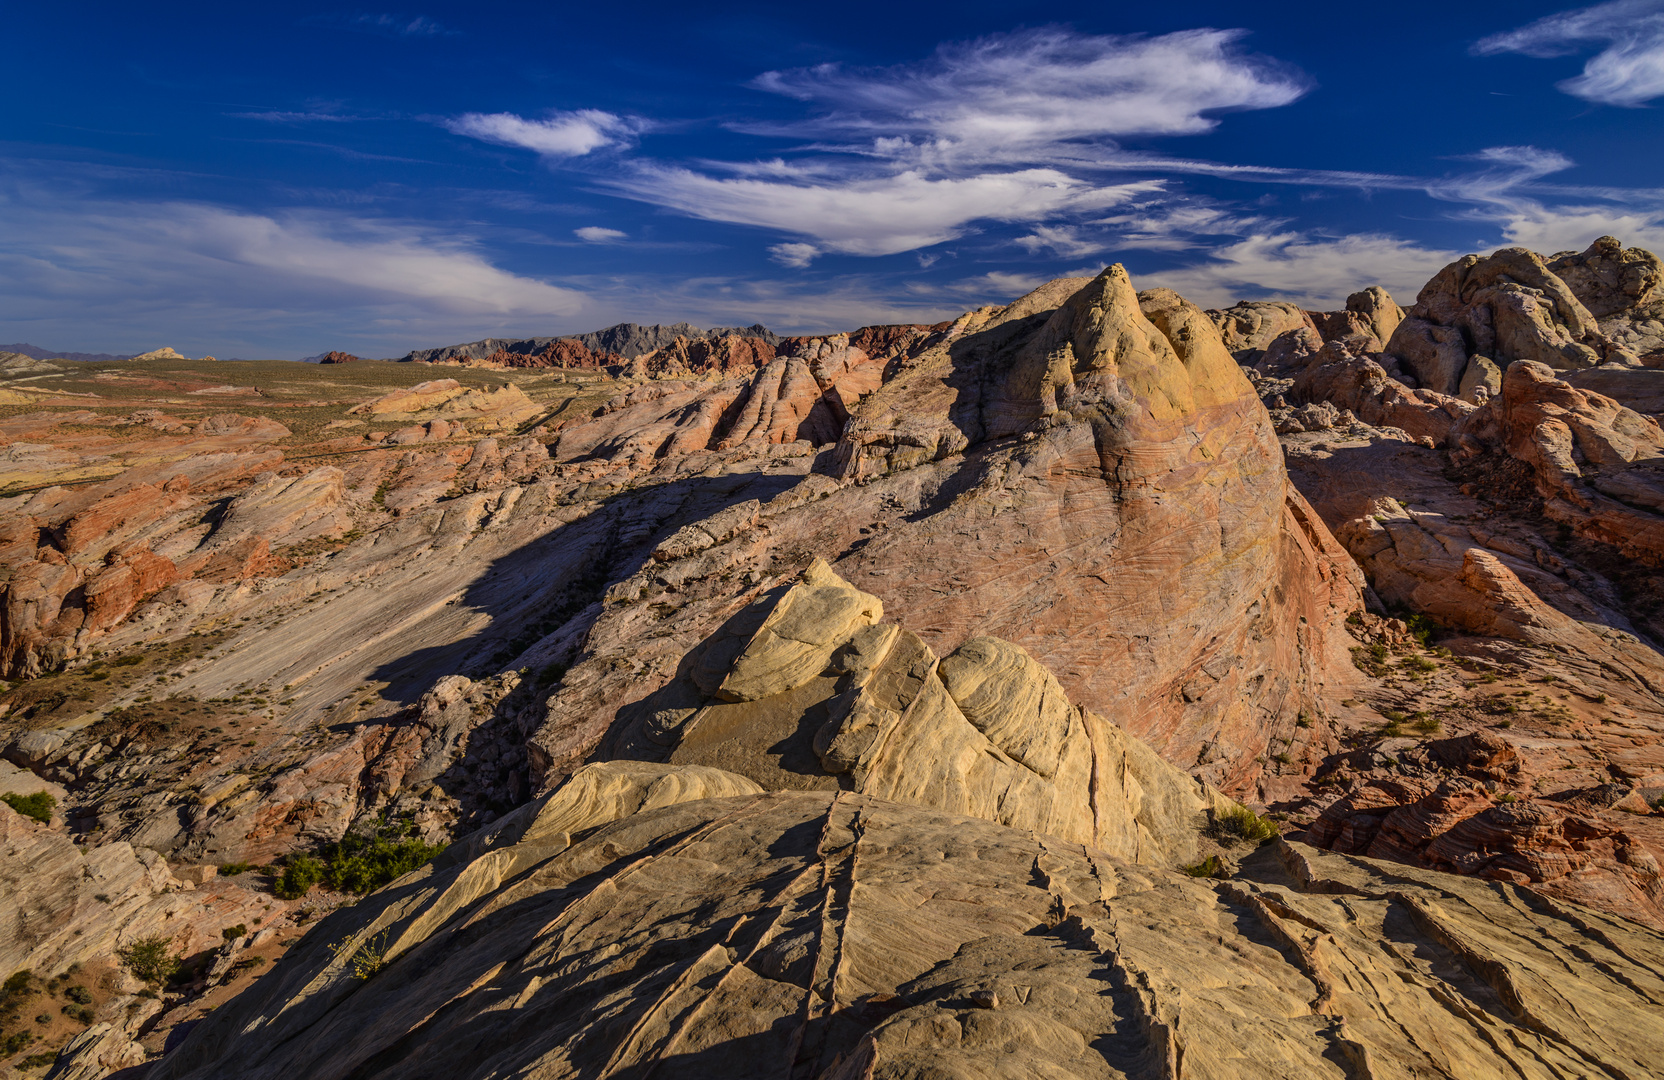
(276, 180)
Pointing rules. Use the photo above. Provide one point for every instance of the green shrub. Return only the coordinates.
(232, 933)
(1419, 663)
(79, 994)
(232, 869)
(300, 873)
(359, 864)
(150, 960)
(18, 982)
(1426, 724)
(38, 806)
(1421, 628)
(78, 1012)
(1240, 823)
(39, 1061)
(1209, 867)
(14, 1042)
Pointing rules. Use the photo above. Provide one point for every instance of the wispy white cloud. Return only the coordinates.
(1564, 228)
(285, 116)
(232, 279)
(1505, 193)
(1502, 171)
(1318, 272)
(881, 215)
(558, 135)
(1022, 94)
(1065, 241)
(595, 234)
(1628, 71)
(1009, 128)
(796, 256)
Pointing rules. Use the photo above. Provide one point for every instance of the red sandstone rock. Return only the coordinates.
(334, 357)
(1055, 475)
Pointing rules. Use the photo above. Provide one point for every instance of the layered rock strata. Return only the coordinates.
(1098, 447)
(827, 934)
(813, 690)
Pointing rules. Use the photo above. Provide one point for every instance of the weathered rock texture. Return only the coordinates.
(64, 906)
(810, 689)
(1085, 473)
(823, 934)
(1620, 287)
(1505, 306)
(1598, 465)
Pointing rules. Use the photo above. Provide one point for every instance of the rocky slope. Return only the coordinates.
(1078, 572)
(825, 934)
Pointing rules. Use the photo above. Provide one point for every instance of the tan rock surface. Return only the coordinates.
(65, 907)
(1506, 306)
(1249, 327)
(1061, 475)
(835, 935)
(822, 695)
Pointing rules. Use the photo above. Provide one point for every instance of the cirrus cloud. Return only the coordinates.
(1628, 71)
(882, 215)
(559, 135)
(1016, 93)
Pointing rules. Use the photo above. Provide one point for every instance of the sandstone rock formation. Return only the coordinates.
(1060, 579)
(837, 935)
(811, 689)
(1249, 326)
(1596, 462)
(1068, 429)
(1620, 287)
(66, 907)
(1505, 306)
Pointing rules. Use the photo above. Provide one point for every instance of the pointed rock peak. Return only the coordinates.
(1215, 376)
(1111, 335)
(795, 643)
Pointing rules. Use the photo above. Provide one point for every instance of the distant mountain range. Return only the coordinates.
(629, 340)
(37, 353)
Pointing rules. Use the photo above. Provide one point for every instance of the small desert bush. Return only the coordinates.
(151, 959)
(365, 959)
(1209, 867)
(38, 806)
(1241, 824)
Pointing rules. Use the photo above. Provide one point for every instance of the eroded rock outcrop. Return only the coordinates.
(1620, 287)
(1598, 465)
(811, 689)
(64, 906)
(1505, 306)
(1069, 430)
(837, 935)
